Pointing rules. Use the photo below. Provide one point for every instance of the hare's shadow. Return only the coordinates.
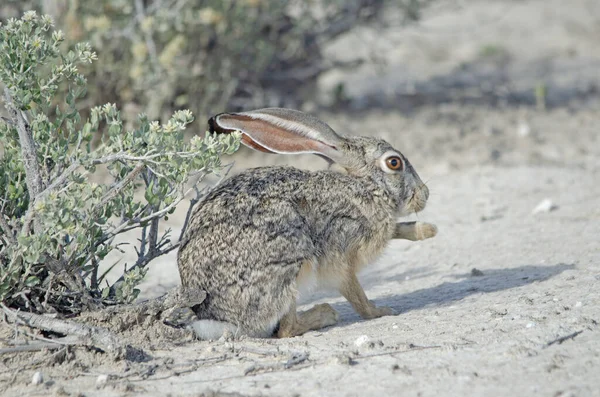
(446, 293)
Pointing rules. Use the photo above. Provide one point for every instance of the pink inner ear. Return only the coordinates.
(268, 137)
(246, 140)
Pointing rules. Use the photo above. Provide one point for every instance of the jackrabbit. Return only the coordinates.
(262, 235)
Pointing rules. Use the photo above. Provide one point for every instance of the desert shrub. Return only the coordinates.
(208, 55)
(55, 224)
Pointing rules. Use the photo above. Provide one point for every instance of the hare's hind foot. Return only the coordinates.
(294, 324)
(354, 293)
(414, 231)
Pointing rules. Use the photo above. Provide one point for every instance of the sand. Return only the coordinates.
(503, 301)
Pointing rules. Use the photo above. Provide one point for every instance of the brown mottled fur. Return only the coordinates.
(263, 234)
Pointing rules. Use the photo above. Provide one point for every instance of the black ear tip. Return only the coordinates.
(213, 125)
(212, 122)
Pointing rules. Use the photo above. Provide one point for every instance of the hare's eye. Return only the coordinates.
(394, 163)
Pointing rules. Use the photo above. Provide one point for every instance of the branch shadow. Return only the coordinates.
(444, 294)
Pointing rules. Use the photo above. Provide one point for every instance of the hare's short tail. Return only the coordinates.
(213, 329)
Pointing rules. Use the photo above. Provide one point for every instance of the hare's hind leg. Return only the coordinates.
(414, 231)
(293, 324)
(354, 293)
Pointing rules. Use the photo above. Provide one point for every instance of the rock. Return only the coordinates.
(343, 359)
(37, 379)
(476, 272)
(523, 129)
(101, 381)
(546, 205)
(361, 340)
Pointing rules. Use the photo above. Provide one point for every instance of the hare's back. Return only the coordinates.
(250, 227)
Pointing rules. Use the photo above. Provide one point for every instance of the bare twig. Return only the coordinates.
(57, 183)
(391, 353)
(200, 194)
(118, 188)
(87, 335)
(563, 338)
(176, 298)
(293, 361)
(150, 45)
(33, 177)
(28, 150)
(153, 237)
(33, 347)
(157, 308)
(7, 121)
(8, 232)
(43, 343)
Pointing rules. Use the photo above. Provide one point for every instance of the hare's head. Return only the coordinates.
(286, 131)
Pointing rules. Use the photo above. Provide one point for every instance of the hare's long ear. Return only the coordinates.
(277, 130)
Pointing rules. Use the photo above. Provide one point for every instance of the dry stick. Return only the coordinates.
(33, 177)
(88, 335)
(7, 121)
(189, 212)
(101, 338)
(60, 180)
(150, 45)
(7, 230)
(176, 372)
(32, 168)
(199, 195)
(34, 347)
(112, 193)
(143, 261)
(153, 232)
(563, 338)
(413, 348)
(176, 298)
(293, 361)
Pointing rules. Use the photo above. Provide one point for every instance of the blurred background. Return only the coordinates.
(453, 84)
(515, 79)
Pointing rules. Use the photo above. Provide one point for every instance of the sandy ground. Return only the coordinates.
(483, 306)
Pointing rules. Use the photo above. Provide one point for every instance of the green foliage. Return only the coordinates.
(51, 243)
(209, 55)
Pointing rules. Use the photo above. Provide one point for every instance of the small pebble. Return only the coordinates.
(37, 379)
(361, 340)
(530, 325)
(546, 205)
(101, 381)
(343, 359)
(523, 129)
(578, 304)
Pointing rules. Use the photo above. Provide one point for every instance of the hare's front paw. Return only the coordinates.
(425, 230)
(376, 312)
(414, 231)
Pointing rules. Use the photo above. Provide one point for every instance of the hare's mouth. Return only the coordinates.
(418, 200)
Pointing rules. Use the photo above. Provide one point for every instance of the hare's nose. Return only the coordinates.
(425, 191)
